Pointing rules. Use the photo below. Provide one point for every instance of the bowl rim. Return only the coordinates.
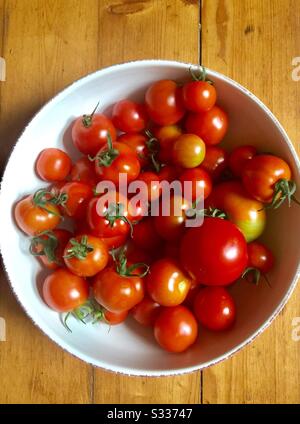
(121, 369)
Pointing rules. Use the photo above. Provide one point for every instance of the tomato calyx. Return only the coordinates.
(201, 76)
(253, 275)
(283, 190)
(107, 156)
(115, 211)
(45, 246)
(90, 310)
(80, 249)
(194, 212)
(87, 119)
(124, 270)
(43, 197)
(153, 146)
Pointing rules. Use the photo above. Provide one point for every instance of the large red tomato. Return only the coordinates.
(214, 253)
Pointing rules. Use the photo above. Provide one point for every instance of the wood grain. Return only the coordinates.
(254, 42)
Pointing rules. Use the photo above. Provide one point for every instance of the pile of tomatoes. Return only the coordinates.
(118, 263)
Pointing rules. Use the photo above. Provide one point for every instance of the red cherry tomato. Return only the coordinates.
(49, 247)
(166, 137)
(117, 293)
(152, 181)
(188, 151)
(86, 255)
(239, 157)
(260, 257)
(63, 291)
(215, 253)
(111, 220)
(35, 214)
(214, 308)
(199, 96)
(78, 197)
(171, 250)
(176, 329)
(211, 126)
(169, 173)
(89, 133)
(115, 159)
(166, 283)
(114, 318)
(215, 161)
(190, 298)
(53, 165)
(164, 102)
(146, 312)
(145, 235)
(129, 116)
(170, 225)
(265, 178)
(200, 184)
(137, 142)
(83, 171)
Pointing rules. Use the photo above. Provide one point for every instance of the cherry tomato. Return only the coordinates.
(166, 283)
(152, 181)
(114, 318)
(265, 178)
(129, 116)
(190, 298)
(114, 242)
(215, 253)
(135, 254)
(245, 212)
(239, 157)
(169, 173)
(78, 197)
(214, 308)
(84, 171)
(215, 161)
(89, 133)
(53, 165)
(200, 185)
(114, 159)
(35, 213)
(49, 247)
(176, 329)
(166, 137)
(188, 151)
(164, 102)
(170, 225)
(111, 220)
(210, 126)
(199, 96)
(137, 142)
(116, 292)
(86, 255)
(145, 235)
(260, 257)
(63, 291)
(146, 312)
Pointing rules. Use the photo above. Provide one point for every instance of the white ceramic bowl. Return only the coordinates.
(129, 348)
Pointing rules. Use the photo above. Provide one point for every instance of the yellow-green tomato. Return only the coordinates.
(245, 212)
(188, 151)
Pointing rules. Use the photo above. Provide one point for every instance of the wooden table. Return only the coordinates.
(47, 44)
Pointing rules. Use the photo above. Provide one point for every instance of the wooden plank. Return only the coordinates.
(254, 42)
(47, 45)
(165, 29)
